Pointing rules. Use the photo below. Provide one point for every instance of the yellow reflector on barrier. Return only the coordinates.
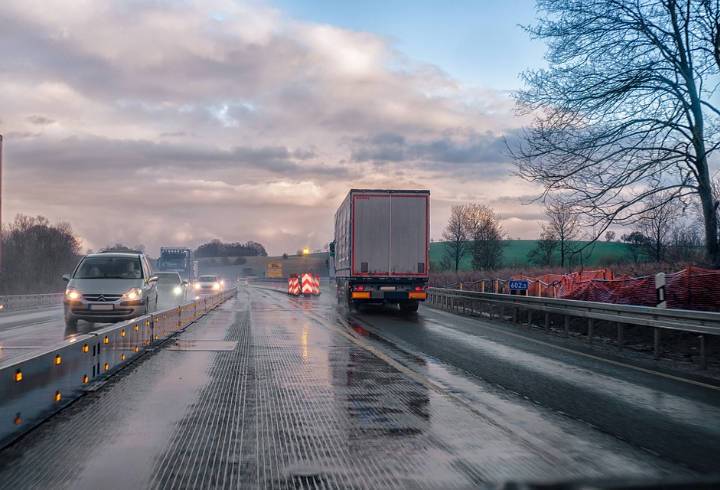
(137, 349)
(122, 333)
(58, 360)
(85, 348)
(58, 396)
(18, 376)
(106, 340)
(136, 327)
(106, 366)
(85, 379)
(18, 419)
(122, 357)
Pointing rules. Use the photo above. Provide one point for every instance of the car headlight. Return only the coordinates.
(72, 294)
(216, 286)
(196, 285)
(132, 294)
(177, 290)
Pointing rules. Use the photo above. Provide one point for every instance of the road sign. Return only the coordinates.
(274, 270)
(518, 285)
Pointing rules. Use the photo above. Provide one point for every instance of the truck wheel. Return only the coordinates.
(409, 307)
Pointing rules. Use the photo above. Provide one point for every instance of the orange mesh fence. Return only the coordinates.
(691, 289)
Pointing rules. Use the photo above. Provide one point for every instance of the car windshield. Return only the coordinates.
(207, 278)
(110, 268)
(166, 278)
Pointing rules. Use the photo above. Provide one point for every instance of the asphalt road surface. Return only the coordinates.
(276, 392)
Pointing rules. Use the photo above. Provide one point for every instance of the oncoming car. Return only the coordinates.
(172, 290)
(110, 287)
(208, 285)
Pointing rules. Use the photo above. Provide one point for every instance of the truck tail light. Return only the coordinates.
(358, 288)
(419, 288)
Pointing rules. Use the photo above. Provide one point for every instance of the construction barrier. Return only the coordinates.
(293, 286)
(307, 284)
(316, 285)
(37, 384)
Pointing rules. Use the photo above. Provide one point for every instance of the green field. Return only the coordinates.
(515, 254)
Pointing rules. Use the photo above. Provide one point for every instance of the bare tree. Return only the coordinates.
(685, 243)
(487, 235)
(545, 247)
(609, 236)
(626, 108)
(656, 224)
(564, 223)
(36, 254)
(456, 237)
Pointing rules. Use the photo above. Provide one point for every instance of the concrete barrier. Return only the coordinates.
(17, 302)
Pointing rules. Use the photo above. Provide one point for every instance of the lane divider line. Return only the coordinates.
(549, 454)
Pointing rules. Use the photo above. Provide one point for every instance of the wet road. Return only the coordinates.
(278, 392)
(30, 330)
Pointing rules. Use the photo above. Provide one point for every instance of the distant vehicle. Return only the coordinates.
(172, 289)
(175, 259)
(381, 247)
(110, 287)
(206, 285)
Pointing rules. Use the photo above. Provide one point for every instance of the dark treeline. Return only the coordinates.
(216, 248)
(35, 255)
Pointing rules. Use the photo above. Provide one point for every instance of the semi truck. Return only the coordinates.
(176, 259)
(381, 248)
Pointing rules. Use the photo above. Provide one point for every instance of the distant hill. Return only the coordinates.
(515, 253)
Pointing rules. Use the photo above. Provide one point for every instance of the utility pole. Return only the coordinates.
(1, 153)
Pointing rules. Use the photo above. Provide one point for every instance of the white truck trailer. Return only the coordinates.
(381, 247)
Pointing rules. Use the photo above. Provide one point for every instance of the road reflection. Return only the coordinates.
(380, 401)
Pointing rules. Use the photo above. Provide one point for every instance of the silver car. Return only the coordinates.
(110, 287)
(172, 289)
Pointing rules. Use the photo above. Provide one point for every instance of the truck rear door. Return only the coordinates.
(371, 234)
(408, 235)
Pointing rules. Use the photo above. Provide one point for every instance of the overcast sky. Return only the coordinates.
(174, 122)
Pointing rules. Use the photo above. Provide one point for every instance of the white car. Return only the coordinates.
(206, 285)
(172, 290)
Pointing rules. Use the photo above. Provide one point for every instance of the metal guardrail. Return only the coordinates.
(38, 384)
(494, 305)
(16, 302)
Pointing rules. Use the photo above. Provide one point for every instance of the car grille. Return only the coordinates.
(102, 313)
(108, 298)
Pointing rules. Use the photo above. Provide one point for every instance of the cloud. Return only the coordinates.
(226, 119)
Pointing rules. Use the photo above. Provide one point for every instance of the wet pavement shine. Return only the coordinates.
(269, 391)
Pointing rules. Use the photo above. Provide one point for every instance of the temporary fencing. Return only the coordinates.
(693, 288)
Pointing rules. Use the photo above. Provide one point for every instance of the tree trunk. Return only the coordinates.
(711, 225)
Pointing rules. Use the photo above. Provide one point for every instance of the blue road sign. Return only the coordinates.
(519, 285)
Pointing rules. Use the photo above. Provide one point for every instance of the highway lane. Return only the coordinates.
(29, 330)
(272, 391)
(676, 418)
